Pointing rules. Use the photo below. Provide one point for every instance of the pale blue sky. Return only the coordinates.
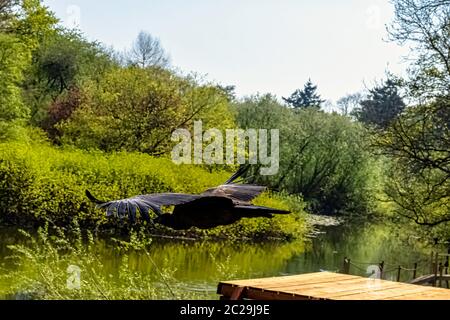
(258, 45)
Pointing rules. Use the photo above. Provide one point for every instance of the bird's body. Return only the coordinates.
(223, 205)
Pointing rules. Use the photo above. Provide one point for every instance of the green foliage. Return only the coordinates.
(33, 23)
(14, 60)
(417, 143)
(137, 109)
(40, 183)
(28, 25)
(65, 58)
(63, 62)
(418, 147)
(323, 157)
(16, 131)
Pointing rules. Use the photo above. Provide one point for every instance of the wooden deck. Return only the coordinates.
(327, 286)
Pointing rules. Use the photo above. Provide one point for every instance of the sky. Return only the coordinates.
(260, 46)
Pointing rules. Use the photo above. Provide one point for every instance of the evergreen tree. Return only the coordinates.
(306, 98)
(382, 106)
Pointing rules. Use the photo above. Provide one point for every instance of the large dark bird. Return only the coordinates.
(223, 205)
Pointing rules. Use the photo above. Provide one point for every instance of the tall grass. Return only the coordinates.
(44, 266)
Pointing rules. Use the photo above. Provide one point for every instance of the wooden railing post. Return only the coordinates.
(381, 266)
(346, 268)
(398, 273)
(446, 265)
(415, 271)
(435, 266)
(432, 263)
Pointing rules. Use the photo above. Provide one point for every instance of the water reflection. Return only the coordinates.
(200, 265)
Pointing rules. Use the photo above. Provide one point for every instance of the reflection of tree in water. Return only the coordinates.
(204, 261)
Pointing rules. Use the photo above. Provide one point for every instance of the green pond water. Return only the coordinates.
(200, 265)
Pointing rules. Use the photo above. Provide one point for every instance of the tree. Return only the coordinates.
(382, 106)
(13, 61)
(62, 62)
(66, 57)
(418, 141)
(33, 23)
(147, 51)
(7, 14)
(418, 144)
(23, 24)
(229, 91)
(349, 103)
(425, 25)
(323, 156)
(61, 110)
(136, 109)
(306, 98)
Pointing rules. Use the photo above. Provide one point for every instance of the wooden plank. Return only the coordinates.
(388, 294)
(311, 283)
(295, 291)
(332, 289)
(379, 294)
(318, 277)
(358, 282)
(342, 294)
(290, 277)
(316, 284)
(327, 285)
(422, 296)
(430, 278)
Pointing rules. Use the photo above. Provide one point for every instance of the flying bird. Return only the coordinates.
(219, 206)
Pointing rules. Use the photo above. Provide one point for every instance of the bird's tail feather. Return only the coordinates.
(93, 199)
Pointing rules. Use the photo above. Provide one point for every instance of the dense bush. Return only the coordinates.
(39, 183)
(137, 109)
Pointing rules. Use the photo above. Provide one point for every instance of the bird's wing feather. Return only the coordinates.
(142, 203)
(241, 171)
(237, 192)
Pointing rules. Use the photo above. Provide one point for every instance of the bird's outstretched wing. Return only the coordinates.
(141, 204)
(237, 192)
(241, 171)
